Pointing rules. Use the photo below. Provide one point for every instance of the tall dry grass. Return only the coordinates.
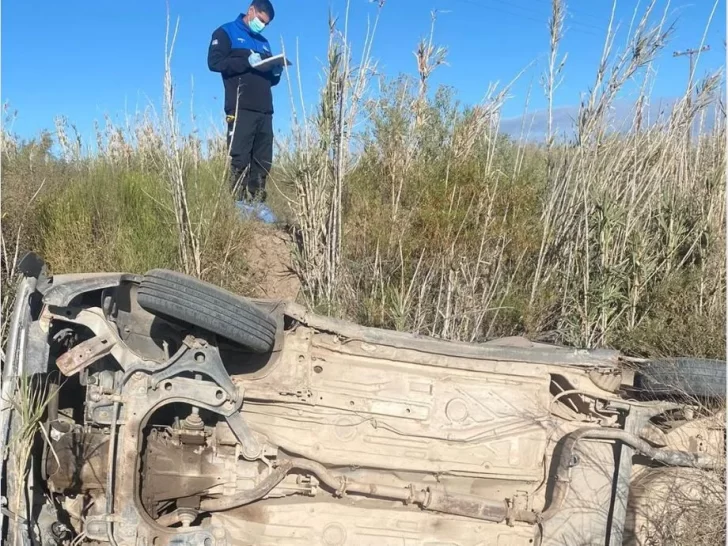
(628, 214)
(454, 230)
(414, 212)
(316, 160)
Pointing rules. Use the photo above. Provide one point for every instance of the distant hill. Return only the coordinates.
(534, 124)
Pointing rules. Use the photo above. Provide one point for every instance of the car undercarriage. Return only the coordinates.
(173, 412)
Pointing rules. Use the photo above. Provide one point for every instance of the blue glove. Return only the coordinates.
(254, 59)
(277, 70)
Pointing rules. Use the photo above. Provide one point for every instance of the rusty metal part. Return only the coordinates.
(84, 354)
(172, 471)
(153, 367)
(227, 397)
(110, 475)
(606, 379)
(204, 360)
(81, 462)
(252, 495)
(466, 505)
(341, 484)
(476, 507)
(193, 421)
(192, 437)
(139, 402)
(566, 460)
(94, 319)
(194, 356)
(251, 447)
(433, 499)
(185, 516)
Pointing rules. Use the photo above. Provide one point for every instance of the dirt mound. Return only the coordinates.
(270, 263)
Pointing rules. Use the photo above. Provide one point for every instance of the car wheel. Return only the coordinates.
(175, 295)
(683, 376)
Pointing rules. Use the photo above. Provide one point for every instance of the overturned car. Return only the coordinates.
(169, 411)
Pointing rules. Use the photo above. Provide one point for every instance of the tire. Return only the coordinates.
(187, 299)
(683, 377)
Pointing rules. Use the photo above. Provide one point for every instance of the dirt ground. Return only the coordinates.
(269, 257)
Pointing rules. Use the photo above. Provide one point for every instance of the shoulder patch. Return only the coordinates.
(215, 41)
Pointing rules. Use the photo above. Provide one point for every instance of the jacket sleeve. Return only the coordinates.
(222, 58)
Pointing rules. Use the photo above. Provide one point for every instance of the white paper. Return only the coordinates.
(270, 62)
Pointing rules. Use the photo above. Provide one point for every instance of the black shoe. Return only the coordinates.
(235, 182)
(256, 189)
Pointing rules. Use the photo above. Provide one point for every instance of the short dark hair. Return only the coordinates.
(265, 6)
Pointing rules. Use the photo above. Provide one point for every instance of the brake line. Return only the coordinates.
(438, 500)
(433, 499)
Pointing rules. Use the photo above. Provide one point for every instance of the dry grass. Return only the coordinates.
(626, 213)
(453, 230)
(415, 213)
(316, 161)
(29, 402)
(682, 506)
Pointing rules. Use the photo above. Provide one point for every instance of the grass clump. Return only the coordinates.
(412, 211)
(452, 229)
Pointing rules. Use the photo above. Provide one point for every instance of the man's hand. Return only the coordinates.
(254, 59)
(277, 70)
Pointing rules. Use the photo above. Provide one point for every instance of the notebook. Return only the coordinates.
(270, 62)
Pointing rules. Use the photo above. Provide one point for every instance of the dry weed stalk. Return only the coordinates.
(71, 148)
(8, 141)
(320, 162)
(482, 122)
(644, 42)
(29, 403)
(625, 211)
(175, 164)
(429, 57)
(554, 76)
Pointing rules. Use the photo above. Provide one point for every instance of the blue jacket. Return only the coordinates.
(245, 87)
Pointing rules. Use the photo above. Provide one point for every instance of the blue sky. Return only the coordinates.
(84, 59)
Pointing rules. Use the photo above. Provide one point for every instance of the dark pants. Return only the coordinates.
(250, 141)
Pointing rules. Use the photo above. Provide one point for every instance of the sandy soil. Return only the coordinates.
(269, 256)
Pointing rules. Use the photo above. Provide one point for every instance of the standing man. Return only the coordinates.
(235, 46)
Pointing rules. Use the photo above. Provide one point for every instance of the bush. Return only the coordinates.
(413, 212)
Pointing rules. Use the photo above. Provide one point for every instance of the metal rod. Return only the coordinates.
(436, 500)
(110, 476)
(667, 457)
